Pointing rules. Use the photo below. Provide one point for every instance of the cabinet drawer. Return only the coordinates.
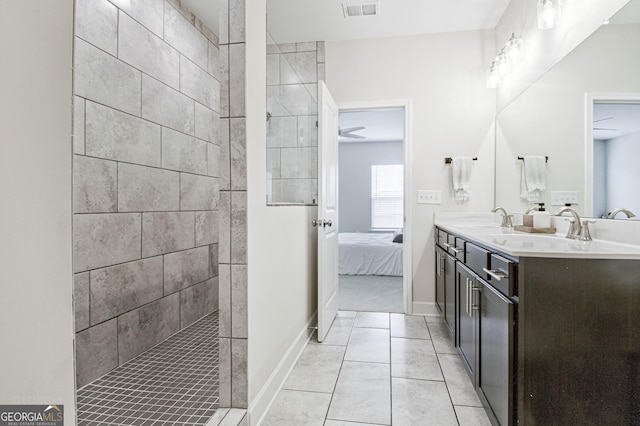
(477, 259)
(502, 274)
(441, 238)
(459, 251)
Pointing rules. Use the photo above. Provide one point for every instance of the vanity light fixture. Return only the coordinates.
(514, 49)
(502, 62)
(547, 14)
(493, 77)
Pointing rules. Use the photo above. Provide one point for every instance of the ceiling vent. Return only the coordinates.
(360, 8)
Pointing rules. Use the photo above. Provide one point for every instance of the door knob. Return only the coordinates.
(315, 223)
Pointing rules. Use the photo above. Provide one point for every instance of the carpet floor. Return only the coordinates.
(372, 293)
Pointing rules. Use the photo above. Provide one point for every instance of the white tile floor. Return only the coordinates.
(379, 369)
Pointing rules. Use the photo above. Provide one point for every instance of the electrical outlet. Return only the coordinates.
(429, 197)
(560, 198)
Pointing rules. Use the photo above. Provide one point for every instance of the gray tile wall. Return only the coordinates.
(232, 237)
(146, 176)
(293, 70)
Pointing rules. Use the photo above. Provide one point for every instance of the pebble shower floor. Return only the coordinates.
(173, 383)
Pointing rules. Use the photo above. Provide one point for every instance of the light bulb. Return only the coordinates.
(502, 64)
(493, 77)
(546, 14)
(514, 49)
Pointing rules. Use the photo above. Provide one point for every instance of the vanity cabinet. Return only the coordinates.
(467, 286)
(445, 288)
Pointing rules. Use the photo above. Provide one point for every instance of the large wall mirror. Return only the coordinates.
(556, 117)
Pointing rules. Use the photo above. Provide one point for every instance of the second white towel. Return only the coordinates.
(461, 173)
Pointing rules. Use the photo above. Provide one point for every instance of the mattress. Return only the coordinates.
(369, 254)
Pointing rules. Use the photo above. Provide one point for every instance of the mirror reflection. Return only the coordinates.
(549, 119)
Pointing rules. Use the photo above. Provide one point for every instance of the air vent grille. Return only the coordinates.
(369, 8)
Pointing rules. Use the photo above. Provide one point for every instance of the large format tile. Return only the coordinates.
(224, 227)
(213, 260)
(236, 21)
(105, 239)
(303, 191)
(291, 99)
(198, 301)
(295, 408)
(146, 51)
(273, 164)
(164, 105)
(341, 423)
(409, 326)
(147, 326)
(223, 35)
(238, 151)
(96, 352)
(102, 78)
(213, 67)
(225, 155)
(183, 153)
(121, 288)
(460, 386)
(97, 23)
(273, 69)
(471, 416)
(308, 130)
(299, 163)
(414, 359)
(207, 124)
(239, 327)
(114, 135)
(94, 185)
(199, 85)
(363, 394)
(237, 79)
(182, 35)
(213, 160)
(224, 370)
(143, 188)
(281, 132)
(298, 68)
(166, 232)
(238, 227)
(185, 268)
(239, 384)
(372, 320)
(81, 300)
(224, 301)
(415, 401)
(198, 192)
(148, 12)
(224, 80)
(441, 338)
(339, 332)
(206, 227)
(368, 345)
(78, 125)
(317, 369)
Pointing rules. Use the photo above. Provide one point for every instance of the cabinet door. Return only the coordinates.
(466, 282)
(496, 352)
(440, 279)
(450, 293)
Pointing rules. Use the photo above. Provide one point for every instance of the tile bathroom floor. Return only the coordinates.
(379, 369)
(173, 383)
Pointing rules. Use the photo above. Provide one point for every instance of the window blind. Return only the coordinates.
(386, 196)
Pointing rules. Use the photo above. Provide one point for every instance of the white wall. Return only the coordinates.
(544, 48)
(623, 173)
(549, 118)
(444, 77)
(356, 159)
(599, 178)
(36, 322)
(281, 241)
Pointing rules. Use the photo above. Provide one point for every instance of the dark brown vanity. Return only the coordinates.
(545, 340)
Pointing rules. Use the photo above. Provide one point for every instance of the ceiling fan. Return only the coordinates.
(603, 128)
(348, 132)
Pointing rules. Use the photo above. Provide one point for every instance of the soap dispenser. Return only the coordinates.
(541, 217)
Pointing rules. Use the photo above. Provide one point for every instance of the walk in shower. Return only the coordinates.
(147, 86)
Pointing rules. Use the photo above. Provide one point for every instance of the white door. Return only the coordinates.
(327, 221)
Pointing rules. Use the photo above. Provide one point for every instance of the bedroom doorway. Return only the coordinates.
(373, 183)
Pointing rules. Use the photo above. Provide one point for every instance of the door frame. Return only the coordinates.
(407, 147)
(590, 99)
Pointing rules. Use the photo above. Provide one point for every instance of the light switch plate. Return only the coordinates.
(560, 198)
(429, 196)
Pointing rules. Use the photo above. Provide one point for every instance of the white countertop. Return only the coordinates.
(484, 228)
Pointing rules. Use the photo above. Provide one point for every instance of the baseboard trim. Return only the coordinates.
(267, 395)
(425, 308)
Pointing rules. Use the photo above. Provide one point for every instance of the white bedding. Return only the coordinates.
(369, 254)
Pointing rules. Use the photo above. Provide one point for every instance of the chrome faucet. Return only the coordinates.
(506, 217)
(613, 214)
(575, 228)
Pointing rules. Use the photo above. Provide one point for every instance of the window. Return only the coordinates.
(386, 196)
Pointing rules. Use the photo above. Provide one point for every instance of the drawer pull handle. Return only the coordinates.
(452, 248)
(498, 275)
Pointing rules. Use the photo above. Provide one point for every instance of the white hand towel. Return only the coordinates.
(461, 172)
(532, 181)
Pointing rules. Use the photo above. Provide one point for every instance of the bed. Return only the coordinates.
(369, 254)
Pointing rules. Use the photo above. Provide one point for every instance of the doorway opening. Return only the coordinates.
(613, 142)
(373, 178)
